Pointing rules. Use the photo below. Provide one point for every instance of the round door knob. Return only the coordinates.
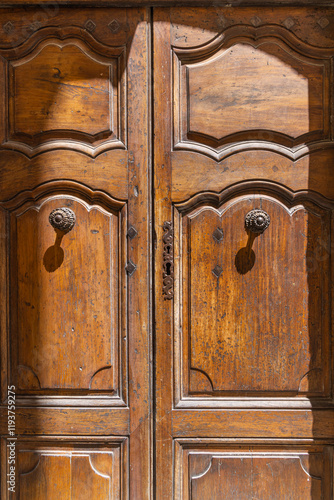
(257, 221)
(62, 219)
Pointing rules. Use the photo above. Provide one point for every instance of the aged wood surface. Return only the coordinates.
(238, 375)
(168, 3)
(75, 320)
(162, 210)
(209, 468)
(246, 354)
(72, 468)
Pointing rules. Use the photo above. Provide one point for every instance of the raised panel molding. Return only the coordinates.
(219, 110)
(75, 467)
(58, 82)
(286, 270)
(242, 470)
(65, 340)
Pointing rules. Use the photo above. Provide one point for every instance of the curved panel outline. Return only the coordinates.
(304, 377)
(34, 467)
(255, 454)
(28, 368)
(281, 143)
(204, 374)
(303, 466)
(286, 195)
(96, 373)
(206, 470)
(95, 469)
(97, 51)
(291, 201)
(92, 200)
(64, 187)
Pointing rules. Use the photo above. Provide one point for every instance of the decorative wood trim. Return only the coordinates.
(292, 202)
(168, 256)
(293, 153)
(73, 32)
(34, 199)
(91, 145)
(64, 187)
(260, 35)
(286, 195)
(270, 140)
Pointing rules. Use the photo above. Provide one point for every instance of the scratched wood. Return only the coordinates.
(75, 305)
(242, 371)
(306, 471)
(244, 352)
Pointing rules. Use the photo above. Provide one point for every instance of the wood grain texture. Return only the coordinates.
(162, 211)
(20, 173)
(231, 343)
(68, 421)
(239, 116)
(169, 3)
(140, 252)
(298, 175)
(74, 468)
(50, 264)
(293, 424)
(220, 368)
(267, 471)
(75, 132)
(212, 112)
(194, 27)
(57, 86)
(28, 22)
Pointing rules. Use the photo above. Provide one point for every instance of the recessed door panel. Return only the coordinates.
(65, 330)
(251, 302)
(216, 471)
(73, 469)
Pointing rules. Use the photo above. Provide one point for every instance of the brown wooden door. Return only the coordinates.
(241, 392)
(244, 196)
(75, 303)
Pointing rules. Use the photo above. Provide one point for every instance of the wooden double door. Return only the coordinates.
(166, 201)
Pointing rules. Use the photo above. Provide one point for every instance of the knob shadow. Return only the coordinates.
(54, 255)
(245, 258)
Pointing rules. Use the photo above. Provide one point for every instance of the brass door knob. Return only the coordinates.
(257, 221)
(62, 219)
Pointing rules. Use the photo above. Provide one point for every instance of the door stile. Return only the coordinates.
(139, 252)
(163, 212)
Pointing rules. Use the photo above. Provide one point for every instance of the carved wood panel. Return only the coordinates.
(250, 302)
(74, 469)
(65, 330)
(219, 471)
(75, 142)
(277, 74)
(61, 87)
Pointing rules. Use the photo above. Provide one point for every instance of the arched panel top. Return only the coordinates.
(59, 82)
(249, 88)
(242, 291)
(286, 196)
(37, 196)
